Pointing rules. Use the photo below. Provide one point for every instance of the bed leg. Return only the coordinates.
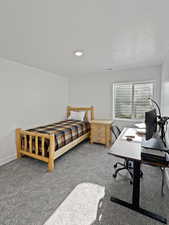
(18, 143)
(50, 165)
(51, 153)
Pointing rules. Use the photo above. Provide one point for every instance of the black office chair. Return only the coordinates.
(163, 179)
(127, 165)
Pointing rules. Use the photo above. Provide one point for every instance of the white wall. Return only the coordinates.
(165, 93)
(97, 89)
(165, 87)
(28, 97)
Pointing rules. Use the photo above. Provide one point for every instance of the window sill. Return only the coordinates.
(129, 120)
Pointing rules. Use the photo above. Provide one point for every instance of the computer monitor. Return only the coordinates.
(151, 123)
(152, 138)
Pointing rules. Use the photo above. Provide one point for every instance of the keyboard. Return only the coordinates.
(154, 159)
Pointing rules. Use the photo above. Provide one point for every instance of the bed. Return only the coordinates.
(47, 143)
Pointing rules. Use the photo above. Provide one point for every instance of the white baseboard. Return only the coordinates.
(7, 159)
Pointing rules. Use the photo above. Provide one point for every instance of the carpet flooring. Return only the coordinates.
(29, 194)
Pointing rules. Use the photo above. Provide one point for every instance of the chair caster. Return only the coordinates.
(114, 175)
(115, 166)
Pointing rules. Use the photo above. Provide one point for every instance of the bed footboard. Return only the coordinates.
(32, 144)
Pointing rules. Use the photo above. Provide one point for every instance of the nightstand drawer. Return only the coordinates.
(98, 130)
(101, 132)
(99, 139)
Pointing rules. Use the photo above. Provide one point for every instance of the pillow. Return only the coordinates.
(77, 115)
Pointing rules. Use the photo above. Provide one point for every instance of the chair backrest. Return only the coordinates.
(116, 131)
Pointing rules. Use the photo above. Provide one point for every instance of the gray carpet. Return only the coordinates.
(29, 194)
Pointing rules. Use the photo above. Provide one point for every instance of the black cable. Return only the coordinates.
(163, 122)
(156, 105)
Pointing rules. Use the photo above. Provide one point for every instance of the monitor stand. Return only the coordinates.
(155, 143)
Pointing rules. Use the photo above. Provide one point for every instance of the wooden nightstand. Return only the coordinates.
(101, 132)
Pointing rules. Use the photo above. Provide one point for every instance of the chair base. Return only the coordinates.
(125, 166)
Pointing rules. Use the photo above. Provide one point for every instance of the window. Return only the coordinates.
(130, 100)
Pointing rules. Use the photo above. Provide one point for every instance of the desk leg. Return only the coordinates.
(135, 205)
(136, 185)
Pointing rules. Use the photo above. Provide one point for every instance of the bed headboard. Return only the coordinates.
(77, 109)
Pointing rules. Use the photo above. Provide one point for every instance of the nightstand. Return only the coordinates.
(101, 132)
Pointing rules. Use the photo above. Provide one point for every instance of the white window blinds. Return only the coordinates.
(130, 100)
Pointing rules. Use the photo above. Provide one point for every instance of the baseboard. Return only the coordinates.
(7, 159)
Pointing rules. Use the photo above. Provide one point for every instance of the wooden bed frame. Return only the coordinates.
(39, 136)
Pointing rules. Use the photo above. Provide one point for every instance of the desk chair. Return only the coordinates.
(163, 179)
(127, 165)
(162, 168)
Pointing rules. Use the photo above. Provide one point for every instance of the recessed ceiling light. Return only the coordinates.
(78, 53)
(108, 68)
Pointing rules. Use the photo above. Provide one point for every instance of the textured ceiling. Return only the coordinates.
(117, 34)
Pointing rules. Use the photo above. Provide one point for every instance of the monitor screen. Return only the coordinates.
(151, 123)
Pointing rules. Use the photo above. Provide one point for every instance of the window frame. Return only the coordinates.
(132, 83)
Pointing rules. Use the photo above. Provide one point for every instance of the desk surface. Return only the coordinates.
(126, 149)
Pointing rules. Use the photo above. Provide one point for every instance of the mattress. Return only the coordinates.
(64, 131)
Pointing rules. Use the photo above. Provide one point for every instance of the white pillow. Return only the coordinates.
(77, 115)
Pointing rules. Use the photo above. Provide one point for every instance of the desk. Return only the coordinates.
(132, 150)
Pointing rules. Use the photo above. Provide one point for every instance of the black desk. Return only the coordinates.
(132, 150)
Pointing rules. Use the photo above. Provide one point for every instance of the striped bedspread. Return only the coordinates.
(64, 131)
